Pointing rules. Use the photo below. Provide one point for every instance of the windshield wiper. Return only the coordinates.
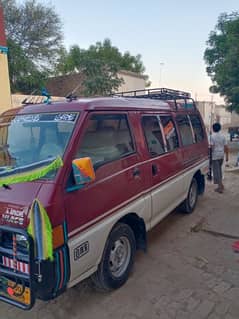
(5, 168)
(17, 170)
(6, 186)
(30, 172)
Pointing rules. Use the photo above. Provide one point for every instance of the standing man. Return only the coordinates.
(219, 148)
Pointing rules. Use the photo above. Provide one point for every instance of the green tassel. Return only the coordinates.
(32, 175)
(45, 240)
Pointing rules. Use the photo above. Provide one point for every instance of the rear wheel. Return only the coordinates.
(117, 259)
(190, 202)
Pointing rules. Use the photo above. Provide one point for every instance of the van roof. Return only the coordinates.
(99, 103)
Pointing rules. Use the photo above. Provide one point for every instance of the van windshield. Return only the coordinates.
(33, 138)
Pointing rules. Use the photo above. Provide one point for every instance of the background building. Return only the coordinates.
(5, 94)
(63, 85)
(207, 110)
(211, 112)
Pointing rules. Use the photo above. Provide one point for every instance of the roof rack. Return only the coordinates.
(45, 97)
(162, 94)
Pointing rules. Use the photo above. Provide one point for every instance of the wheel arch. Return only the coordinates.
(137, 224)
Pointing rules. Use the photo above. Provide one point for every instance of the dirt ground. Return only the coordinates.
(189, 271)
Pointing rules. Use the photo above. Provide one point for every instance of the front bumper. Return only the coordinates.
(23, 278)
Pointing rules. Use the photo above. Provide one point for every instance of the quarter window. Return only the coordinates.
(185, 129)
(197, 128)
(153, 135)
(106, 138)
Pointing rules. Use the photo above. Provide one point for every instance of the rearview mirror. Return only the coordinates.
(83, 170)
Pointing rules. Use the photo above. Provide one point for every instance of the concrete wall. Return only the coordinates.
(211, 112)
(235, 119)
(223, 116)
(5, 95)
(132, 81)
(207, 110)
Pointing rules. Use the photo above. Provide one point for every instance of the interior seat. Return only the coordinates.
(51, 148)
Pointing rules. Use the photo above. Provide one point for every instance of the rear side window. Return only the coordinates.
(185, 129)
(153, 135)
(170, 133)
(106, 138)
(197, 128)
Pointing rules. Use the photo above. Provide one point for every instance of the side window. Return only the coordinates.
(106, 138)
(197, 128)
(170, 133)
(153, 135)
(185, 129)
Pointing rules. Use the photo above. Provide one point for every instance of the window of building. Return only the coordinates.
(197, 128)
(185, 129)
(153, 135)
(106, 138)
(170, 133)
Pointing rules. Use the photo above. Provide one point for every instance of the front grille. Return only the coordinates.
(16, 267)
(14, 251)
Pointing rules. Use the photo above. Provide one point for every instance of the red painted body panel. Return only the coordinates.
(17, 199)
(114, 185)
(115, 181)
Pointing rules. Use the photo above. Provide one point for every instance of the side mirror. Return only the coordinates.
(83, 171)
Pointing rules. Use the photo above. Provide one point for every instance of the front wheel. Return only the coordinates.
(117, 259)
(190, 202)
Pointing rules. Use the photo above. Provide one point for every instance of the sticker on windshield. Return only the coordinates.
(45, 117)
(66, 117)
(26, 118)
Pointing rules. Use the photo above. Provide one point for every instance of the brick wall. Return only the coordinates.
(63, 85)
(2, 30)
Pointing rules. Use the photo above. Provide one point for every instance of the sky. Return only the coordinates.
(170, 35)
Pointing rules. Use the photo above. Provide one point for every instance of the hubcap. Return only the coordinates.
(120, 256)
(193, 194)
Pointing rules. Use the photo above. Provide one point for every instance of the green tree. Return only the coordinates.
(222, 59)
(99, 64)
(24, 75)
(34, 37)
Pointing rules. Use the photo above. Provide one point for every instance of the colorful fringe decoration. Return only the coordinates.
(16, 177)
(41, 230)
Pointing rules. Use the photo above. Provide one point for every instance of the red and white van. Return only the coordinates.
(82, 182)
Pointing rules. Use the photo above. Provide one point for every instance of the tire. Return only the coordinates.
(117, 260)
(190, 202)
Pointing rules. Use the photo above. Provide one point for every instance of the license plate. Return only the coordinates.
(20, 294)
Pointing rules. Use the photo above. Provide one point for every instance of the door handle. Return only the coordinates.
(154, 169)
(136, 172)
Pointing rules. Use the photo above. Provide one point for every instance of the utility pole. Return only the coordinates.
(161, 64)
(211, 113)
(209, 175)
(5, 93)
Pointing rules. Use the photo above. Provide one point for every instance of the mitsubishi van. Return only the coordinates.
(83, 181)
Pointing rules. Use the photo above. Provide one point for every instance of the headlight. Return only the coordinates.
(22, 242)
